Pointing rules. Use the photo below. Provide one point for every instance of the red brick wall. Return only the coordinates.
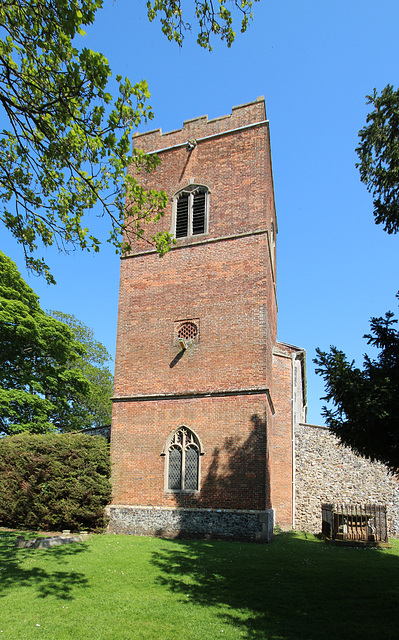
(280, 437)
(236, 168)
(224, 281)
(196, 128)
(224, 287)
(233, 468)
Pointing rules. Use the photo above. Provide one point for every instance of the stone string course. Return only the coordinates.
(329, 472)
(218, 523)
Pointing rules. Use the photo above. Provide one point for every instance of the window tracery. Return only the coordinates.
(183, 461)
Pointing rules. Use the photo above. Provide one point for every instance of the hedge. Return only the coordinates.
(54, 481)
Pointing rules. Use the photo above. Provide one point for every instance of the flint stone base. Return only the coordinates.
(255, 526)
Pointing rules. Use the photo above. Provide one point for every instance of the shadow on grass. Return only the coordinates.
(15, 572)
(296, 588)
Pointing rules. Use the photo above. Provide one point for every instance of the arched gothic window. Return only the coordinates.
(191, 211)
(182, 464)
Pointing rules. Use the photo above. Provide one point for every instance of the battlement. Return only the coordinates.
(242, 115)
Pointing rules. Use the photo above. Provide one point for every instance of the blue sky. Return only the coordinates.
(314, 62)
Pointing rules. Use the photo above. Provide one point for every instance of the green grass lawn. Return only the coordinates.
(125, 588)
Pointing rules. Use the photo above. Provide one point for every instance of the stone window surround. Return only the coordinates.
(191, 187)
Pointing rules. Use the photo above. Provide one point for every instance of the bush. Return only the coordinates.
(54, 481)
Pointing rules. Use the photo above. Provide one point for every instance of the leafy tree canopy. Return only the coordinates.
(365, 413)
(66, 147)
(94, 365)
(366, 401)
(378, 152)
(42, 386)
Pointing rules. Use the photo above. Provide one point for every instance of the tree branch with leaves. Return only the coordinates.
(53, 373)
(378, 153)
(365, 402)
(66, 147)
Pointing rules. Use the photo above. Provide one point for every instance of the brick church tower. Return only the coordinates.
(198, 442)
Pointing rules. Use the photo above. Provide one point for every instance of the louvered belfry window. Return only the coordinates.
(191, 212)
(183, 461)
(182, 208)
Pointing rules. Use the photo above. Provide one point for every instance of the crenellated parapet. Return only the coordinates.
(196, 129)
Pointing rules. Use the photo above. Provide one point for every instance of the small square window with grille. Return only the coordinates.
(186, 330)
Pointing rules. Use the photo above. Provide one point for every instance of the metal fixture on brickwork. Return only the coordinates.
(191, 144)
